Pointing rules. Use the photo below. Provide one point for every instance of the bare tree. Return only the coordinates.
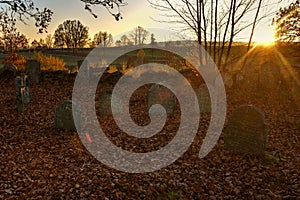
(125, 41)
(216, 24)
(139, 35)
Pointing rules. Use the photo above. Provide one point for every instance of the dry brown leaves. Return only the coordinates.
(40, 162)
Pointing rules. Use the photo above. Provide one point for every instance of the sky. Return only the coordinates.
(136, 13)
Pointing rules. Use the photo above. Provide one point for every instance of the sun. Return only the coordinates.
(267, 39)
(266, 43)
(265, 36)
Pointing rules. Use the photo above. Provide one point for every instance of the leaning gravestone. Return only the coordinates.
(64, 118)
(246, 131)
(105, 102)
(159, 94)
(33, 70)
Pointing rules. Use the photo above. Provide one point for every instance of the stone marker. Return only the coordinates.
(25, 81)
(246, 131)
(105, 103)
(33, 70)
(8, 71)
(64, 116)
(227, 78)
(22, 91)
(159, 94)
(19, 94)
(204, 100)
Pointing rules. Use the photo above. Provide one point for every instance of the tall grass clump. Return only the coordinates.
(50, 63)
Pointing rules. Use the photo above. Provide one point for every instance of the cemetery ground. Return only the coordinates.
(39, 161)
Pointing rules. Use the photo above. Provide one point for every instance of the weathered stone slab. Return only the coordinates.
(204, 101)
(25, 81)
(105, 102)
(227, 78)
(246, 131)
(159, 94)
(7, 72)
(22, 92)
(33, 70)
(64, 118)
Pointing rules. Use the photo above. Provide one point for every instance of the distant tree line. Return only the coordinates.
(21, 10)
(215, 24)
(138, 36)
(72, 34)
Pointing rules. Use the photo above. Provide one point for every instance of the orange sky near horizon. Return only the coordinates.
(136, 13)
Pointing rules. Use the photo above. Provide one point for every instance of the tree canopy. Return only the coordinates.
(287, 23)
(13, 10)
(72, 34)
(21, 10)
(113, 6)
(103, 39)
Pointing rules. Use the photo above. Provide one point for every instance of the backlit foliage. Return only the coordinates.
(50, 63)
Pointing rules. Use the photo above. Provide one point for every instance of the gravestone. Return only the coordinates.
(227, 78)
(33, 70)
(25, 80)
(8, 71)
(246, 131)
(22, 91)
(64, 118)
(204, 100)
(159, 94)
(119, 67)
(130, 63)
(105, 102)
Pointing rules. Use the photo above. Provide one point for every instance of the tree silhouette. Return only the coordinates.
(102, 39)
(14, 40)
(113, 6)
(287, 23)
(153, 40)
(13, 10)
(139, 35)
(72, 34)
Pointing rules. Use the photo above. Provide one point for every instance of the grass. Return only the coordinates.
(69, 60)
(270, 159)
(237, 52)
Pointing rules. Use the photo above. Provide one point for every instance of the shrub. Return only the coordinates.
(18, 60)
(50, 63)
